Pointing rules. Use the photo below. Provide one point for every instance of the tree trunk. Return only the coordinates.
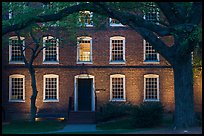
(33, 108)
(184, 116)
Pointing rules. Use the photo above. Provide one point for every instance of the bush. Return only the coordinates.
(113, 110)
(148, 114)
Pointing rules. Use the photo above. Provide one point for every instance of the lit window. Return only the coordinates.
(115, 22)
(85, 18)
(151, 87)
(51, 88)
(15, 56)
(84, 52)
(17, 88)
(117, 87)
(51, 52)
(117, 50)
(150, 55)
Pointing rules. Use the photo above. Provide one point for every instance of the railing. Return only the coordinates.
(70, 106)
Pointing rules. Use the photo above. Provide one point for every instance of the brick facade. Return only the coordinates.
(134, 70)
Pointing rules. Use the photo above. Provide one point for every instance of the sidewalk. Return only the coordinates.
(91, 128)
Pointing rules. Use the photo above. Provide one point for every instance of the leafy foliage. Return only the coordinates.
(147, 114)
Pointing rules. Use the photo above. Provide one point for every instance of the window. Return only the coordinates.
(51, 90)
(15, 56)
(151, 87)
(117, 87)
(114, 22)
(84, 50)
(51, 52)
(117, 50)
(16, 88)
(150, 55)
(152, 13)
(85, 18)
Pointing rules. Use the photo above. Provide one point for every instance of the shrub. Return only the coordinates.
(147, 114)
(113, 110)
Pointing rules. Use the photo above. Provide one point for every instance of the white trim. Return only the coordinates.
(115, 25)
(151, 76)
(144, 55)
(44, 81)
(78, 49)
(10, 87)
(110, 59)
(124, 92)
(10, 49)
(85, 23)
(83, 76)
(57, 48)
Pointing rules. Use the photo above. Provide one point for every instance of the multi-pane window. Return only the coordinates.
(15, 55)
(85, 18)
(114, 22)
(84, 47)
(152, 13)
(51, 88)
(17, 88)
(117, 49)
(150, 55)
(50, 53)
(151, 87)
(117, 87)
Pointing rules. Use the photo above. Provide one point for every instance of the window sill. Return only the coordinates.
(117, 25)
(16, 100)
(50, 100)
(84, 62)
(151, 100)
(151, 62)
(50, 62)
(16, 62)
(117, 62)
(117, 100)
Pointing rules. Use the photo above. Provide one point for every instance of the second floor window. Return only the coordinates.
(84, 49)
(51, 52)
(117, 50)
(150, 55)
(85, 18)
(15, 55)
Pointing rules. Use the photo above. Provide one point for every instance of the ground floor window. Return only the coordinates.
(51, 88)
(117, 87)
(17, 88)
(151, 87)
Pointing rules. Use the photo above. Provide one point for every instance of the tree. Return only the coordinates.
(180, 21)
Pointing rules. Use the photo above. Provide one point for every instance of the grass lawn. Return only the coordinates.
(25, 127)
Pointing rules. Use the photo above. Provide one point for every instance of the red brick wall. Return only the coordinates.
(101, 52)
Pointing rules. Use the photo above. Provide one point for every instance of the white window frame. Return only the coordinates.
(10, 50)
(10, 87)
(157, 14)
(85, 24)
(151, 76)
(124, 92)
(144, 55)
(114, 24)
(78, 50)
(117, 38)
(57, 48)
(44, 85)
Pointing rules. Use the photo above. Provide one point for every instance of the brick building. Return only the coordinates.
(112, 64)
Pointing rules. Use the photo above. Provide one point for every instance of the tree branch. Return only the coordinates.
(195, 14)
